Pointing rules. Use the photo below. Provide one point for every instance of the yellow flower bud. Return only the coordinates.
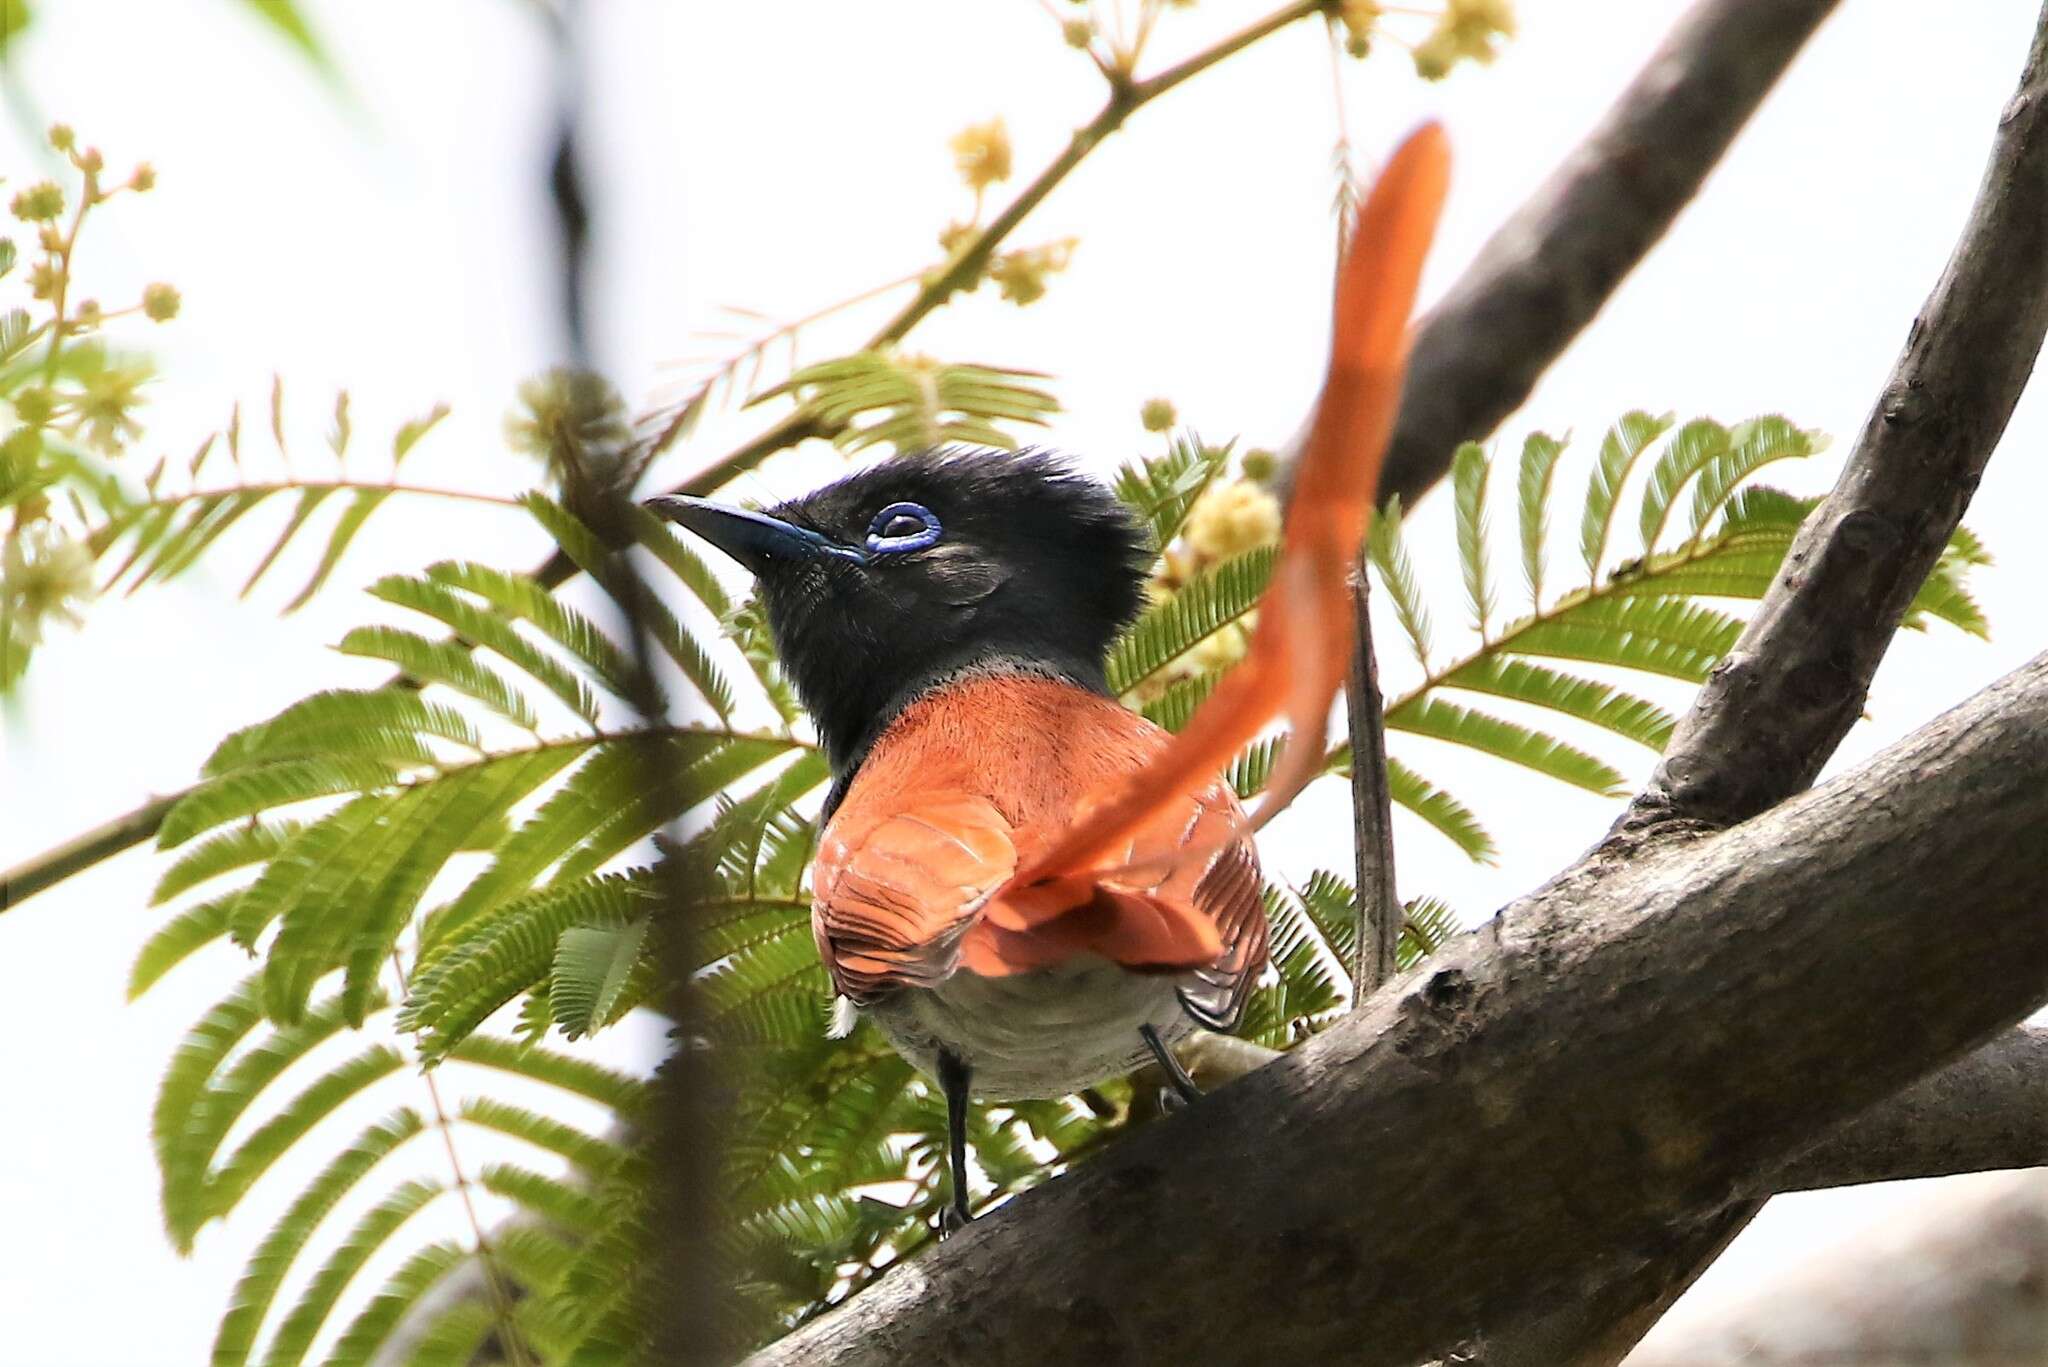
(160, 302)
(61, 137)
(982, 153)
(1157, 415)
(142, 178)
(1232, 518)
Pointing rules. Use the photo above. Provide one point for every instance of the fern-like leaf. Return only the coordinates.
(1388, 554)
(1162, 490)
(1624, 443)
(1469, 469)
(1506, 740)
(1211, 600)
(267, 1266)
(1696, 445)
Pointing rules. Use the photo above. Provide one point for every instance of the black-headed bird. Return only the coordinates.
(1029, 887)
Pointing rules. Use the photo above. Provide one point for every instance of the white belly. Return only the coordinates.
(1039, 1034)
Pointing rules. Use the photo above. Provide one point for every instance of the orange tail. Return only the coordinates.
(1301, 650)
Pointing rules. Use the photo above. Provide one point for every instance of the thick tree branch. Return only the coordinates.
(1548, 270)
(1597, 1049)
(1766, 723)
(1777, 706)
(1987, 1110)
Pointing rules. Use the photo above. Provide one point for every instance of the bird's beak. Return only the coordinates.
(758, 541)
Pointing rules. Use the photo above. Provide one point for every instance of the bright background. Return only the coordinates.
(392, 237)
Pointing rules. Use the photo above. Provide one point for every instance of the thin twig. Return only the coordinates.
(1372, 816)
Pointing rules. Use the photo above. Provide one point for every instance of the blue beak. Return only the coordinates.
(758, 541)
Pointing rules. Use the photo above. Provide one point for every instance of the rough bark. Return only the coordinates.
(1548, 270)
(1986, 1111)
(1963, 1283)
(1596, 1049)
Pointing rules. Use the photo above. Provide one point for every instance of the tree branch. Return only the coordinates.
(1961, 1282)
(1372, 811)
(1986, 1111)
(1769, 718)
(1777, 706)
(1548, 270)
(1596, 1047)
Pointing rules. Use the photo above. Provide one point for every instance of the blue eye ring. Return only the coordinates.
(882, 540)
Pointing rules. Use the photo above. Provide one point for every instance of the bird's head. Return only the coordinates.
(906, 573)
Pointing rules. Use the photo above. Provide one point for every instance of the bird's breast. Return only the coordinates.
(1046, 1033)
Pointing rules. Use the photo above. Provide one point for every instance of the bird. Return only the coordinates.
(1029, 887)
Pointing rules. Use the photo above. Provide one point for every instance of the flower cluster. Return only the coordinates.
(1466, 30)
(45, 576)
(1231, 517)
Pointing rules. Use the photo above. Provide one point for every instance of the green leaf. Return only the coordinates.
(554, 1201)
(351, 910)
(345, 528)
(184, 934)
(1212, 599)
(1532, 505)
(17, 329)
(1429, 923)
(294, 1337)
(247, 792)
(1752, 445)
(326, 1095)
(402, 1293)
(606, 1086)
(596, 1157)
(441, 662)
(230, 850)
(289, 23)
(590, 971)
(1448, 815)
(1631, 434)
(521, 597)
(1622, 713)
(386, 723)
(1332, 907)
(1388, 554)
(409, 434)
(492, 632)
(1162, 490)
(1656, 635)
(1698, 444)
(477, 974)
(268, 1265)
(1469, 469)
(1506, 740)
(309, 500)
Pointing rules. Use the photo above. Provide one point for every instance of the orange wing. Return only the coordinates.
(891, 899)
(909, 866)
(1301, 649)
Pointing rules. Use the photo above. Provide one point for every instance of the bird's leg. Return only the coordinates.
(953, 1078)
(1184, 1086)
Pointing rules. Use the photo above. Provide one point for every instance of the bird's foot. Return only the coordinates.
(953, 1217)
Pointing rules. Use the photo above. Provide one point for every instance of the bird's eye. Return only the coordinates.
(902, 527)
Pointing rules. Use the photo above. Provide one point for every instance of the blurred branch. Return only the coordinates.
(1957, 1282)
(1548, 270)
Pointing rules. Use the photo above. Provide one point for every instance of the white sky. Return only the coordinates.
(778, 157)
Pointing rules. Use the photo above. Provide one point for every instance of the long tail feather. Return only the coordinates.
(1301, 650)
